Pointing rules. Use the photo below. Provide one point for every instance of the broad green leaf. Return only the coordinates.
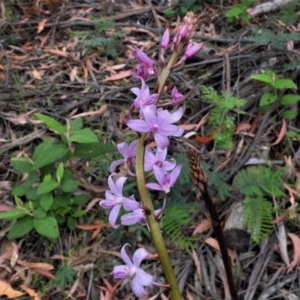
(71, 223)
(46, 227)
(21, 164)
(52, 154)
(31, 194)
(20, 228)
(83, 136)
(40, 213)
(292, 134)
(76, 124)
(63, 210)
(63, 200)
(267, 98)
(81, 199)
(42, 148)
(51, 123)
(46, 187)
(69, 185)
(20, 190)
(285, 84)
(31, 179)
(47, 177)
(262, 77)
(91, 150)
(60, 172)
(13, 214)
(290, 114)
(289, 99)
(235, 11)
(19, 202)
(78, 213)
(46, 201)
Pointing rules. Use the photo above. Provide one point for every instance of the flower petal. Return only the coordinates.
(116, 163)
(161, 140)
(144, 278)
(130, 204)
(119, 186)
(174, 174)
(137, 288)
(176, 115)
(168, 130)
(169, 165)
(113, 215)
(111, 185)
(138, 125)
(120, 272)
(137, 216)
(154, 186)
(138, 256)
(125, 256)
(150, 115)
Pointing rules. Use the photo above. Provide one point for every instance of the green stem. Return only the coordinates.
(153, 223)
(145, 194)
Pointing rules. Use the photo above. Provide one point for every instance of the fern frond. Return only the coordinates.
(173, 220)
(256, 180)
(258, 217)
(293, 65)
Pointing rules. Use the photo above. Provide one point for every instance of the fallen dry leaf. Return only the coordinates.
(8, 291)
(296, 243)
(41, 25)
(30, 292)
(203, 226)
(43, 266)
(281, 133)
(118, 76)
(214, 243)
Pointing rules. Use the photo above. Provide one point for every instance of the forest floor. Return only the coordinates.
(72, 60)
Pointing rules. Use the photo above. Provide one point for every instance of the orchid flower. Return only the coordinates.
(139, 278)
(128, 152)
(115, 200)
(165, 180)
(159, 122)
(159, 160)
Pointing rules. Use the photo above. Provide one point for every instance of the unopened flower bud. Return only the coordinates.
(165, 39)
(143, 58)
(192, 49)
(176, 96)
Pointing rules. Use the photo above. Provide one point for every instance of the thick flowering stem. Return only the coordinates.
(153, 223)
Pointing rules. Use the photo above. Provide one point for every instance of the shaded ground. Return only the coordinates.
(67, 60)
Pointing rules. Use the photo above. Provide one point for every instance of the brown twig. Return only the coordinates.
(199, 179)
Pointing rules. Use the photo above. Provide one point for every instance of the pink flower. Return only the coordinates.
(115, 200)
(159, 122)
(165, 39)
(147, 65)
(165, 180)
(176, 96)
(159, 160)
(139, 278)
(143, 97)
(137, 216)
(128, 152)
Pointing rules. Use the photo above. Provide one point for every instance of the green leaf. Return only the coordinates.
(46, 201)
(289, 99)
(267, 98)
(51, 154)
(42, 148)
(31, 194)
(40, 213)
(62, 200)
(76, 124)
(235, 11)
(63, 210)
(46, 187)
(81, 199)
(46, 227)
(79, 213)
(69, 185)
(21, 164)
(51, 123)
(290, 114)
(91, 150)
(20, 190)
(19, 202)
(285, 84)
(71, 223)
(60, 172)
(20, 228)
(83, 136)
(13, 214)
(262, 77)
